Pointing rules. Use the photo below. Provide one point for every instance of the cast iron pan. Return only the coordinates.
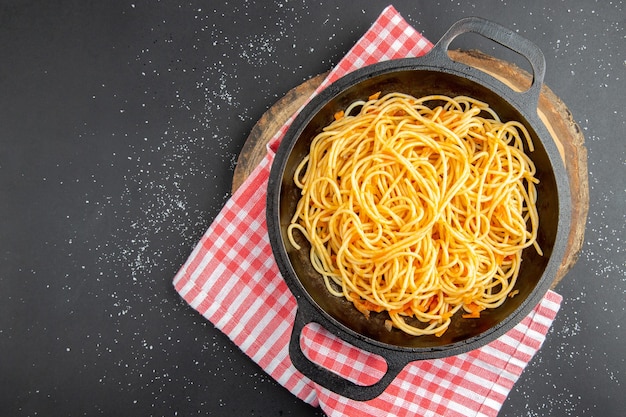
(434, 73)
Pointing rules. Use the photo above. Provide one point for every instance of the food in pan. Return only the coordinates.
(418, 207)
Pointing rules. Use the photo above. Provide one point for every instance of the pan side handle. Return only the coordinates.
(332, 381)
(504, 37)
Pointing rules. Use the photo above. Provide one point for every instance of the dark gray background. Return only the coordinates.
(120, 126)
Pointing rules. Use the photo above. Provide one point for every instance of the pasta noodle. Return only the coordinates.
(418, 207)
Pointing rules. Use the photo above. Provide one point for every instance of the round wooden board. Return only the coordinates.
(552, 111)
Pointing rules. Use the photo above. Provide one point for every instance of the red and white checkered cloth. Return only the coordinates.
(231, 278)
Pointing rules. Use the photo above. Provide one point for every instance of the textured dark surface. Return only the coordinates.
(120, 124)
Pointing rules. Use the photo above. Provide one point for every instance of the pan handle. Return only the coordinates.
(331, 380)
(504, 37)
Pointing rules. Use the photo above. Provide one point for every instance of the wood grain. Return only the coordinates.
(254, 148)
(552, 111)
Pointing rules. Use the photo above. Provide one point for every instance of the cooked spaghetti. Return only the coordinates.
(418, 207)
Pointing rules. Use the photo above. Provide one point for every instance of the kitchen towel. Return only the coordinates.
(231, 278)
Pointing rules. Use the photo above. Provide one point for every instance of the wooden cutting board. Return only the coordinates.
(552, 111)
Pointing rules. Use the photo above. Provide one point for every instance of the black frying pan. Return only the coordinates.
(434, 73)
